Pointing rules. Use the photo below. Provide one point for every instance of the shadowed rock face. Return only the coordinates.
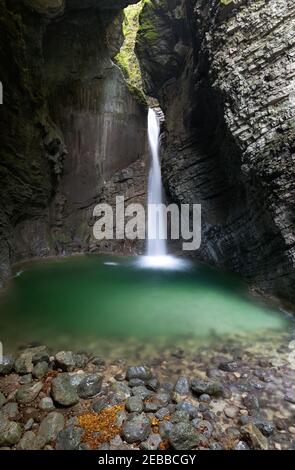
(224, 75)
(70, 126)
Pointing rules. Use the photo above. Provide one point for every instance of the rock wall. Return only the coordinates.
(224, 76)
(69, 125)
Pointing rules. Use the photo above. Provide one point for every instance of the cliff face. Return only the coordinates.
(224, 76)
(70, 126)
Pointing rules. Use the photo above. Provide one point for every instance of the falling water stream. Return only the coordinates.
(157, 256)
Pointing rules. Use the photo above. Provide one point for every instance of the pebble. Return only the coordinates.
(40, 370)
(251, 432)
(251, 402)
(63, 392)
(10, 410)
(136, 383)
(46, 404)
(266, 427)
(10, 432)
(51, 426)
(23, 364)
(154, 402)
(26, 379)
(141, 392)
(139, 372)
(188, 407)
(65, 360)
(241, 445)
(180, 416)
(164, 429)
(182, 386)
(69, 438)
(152, 442)
(183, 436)
(199, 387)
(28, 393)
(6, 365)
(120, 392)
(90, 386)
(204, 427)
(153, 384)
(229, 366)
(231, 412)
(136, 428)
(205, 398)
(28, 441)
(134, 405)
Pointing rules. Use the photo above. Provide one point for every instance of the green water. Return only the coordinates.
(83, 297)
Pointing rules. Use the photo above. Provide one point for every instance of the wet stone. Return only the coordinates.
(51, 426)
(152, 442)
(10, 410)
(100, 404)
(28, 393)
(183, 436)
(251, 402)
(6, 365)
(180, 416)
(199, 387)
(26, 379)
(188, 407)
(65, 360)
(205, 398)
(229, 366)
(69, 438)
(63, 392)
(231, 412)
(290, 396)
(241, 445)
(40, 370)
(134, 405)
(153, 384)
(182, 386)
(155, 402)
(136, 428)
(139, 372)
(90, 386)
(141, 392)
(205, 428)
(252, 433)
(266, 427)
(164, 429)
(10, 432)
(46, 404)
(136, 382)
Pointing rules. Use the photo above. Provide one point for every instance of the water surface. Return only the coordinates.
(102, 298)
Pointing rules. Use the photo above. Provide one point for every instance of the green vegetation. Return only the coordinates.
(126, 59)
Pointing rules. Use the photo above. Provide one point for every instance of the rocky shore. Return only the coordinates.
(238, 394)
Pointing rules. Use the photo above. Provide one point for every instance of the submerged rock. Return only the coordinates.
(183, 436)
(65, 360)
(51, 426)
(10, 432)
(69, 439)
(136, 428)
(138, 372)
(63, 392)
(90, 386)
(28, 393)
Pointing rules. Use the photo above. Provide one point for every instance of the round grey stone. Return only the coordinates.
(65, 360)
(183, 436)
(63, 392)
(51, 426)
(28, 393)
(90, 386)
(136, 428)
(69, 438)
(139, 372)
(134, 405)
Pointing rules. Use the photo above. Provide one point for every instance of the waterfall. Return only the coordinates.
(157, 257)
(156, 245)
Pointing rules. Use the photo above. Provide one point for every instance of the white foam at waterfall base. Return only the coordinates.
(157, 244)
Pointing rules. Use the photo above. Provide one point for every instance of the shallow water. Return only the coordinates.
(95, 298)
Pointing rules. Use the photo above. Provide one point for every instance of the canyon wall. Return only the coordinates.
(73, 133)
(223, 72)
